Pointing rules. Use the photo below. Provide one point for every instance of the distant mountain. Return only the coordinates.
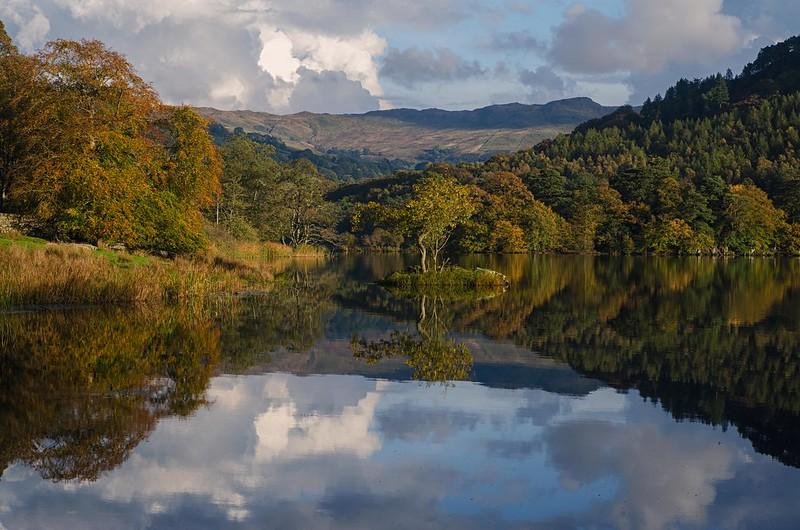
(335, 164)
(510, 116)
(415, 136)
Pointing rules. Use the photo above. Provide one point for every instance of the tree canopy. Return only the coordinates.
(90, 153)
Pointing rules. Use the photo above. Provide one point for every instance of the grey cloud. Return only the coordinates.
(330, 92)
(405, 422)
(208, 53)
(520, 6)
(186, 61)
(517, 41)
(337, 16)
(200, 63)
(545, 84)
(653, 44)
(412, 66)
(27, 23)
(649, 84)
(584, 44)
(647, 38)
(770, 19)
(669, 478)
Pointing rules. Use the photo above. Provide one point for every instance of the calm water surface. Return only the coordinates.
(595, 393)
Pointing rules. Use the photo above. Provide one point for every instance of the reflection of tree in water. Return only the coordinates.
(712, 340)
(715, 340)
(79, 391)
(431, 355)
(290, 315)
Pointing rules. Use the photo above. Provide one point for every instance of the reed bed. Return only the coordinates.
(57, 274)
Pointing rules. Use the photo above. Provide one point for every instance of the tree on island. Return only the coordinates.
(436, 207)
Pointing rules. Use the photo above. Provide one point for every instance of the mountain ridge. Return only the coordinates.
(418, 136)
(562, 111)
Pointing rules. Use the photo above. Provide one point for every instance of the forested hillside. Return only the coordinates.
(711, 167)
(335, 164)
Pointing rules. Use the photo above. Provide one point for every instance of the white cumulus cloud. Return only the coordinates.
(231, 53)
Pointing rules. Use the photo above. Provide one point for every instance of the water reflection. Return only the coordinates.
(430, 353)
(576, 366)
(276, 450)
(79, 393)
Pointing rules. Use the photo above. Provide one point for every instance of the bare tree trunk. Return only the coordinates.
(424, 255)
(422, 317)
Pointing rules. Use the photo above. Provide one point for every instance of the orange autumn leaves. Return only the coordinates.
(91, 153)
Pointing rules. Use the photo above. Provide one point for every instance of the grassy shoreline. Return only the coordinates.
(34, 272)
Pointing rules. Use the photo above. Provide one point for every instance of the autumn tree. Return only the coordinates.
(24, 115)
(436, 208)
(110, 162)
(299, 213)
(185, 183)
(752, 223)
(512, 208)
(677, 237)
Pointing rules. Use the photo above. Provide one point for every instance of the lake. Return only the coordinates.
(595, 393)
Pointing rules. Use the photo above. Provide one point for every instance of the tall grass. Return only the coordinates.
(69, 275)
(35, 272)
(253, 252)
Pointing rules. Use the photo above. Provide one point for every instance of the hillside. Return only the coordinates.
(417, 136)
(710, 167)
(774, 72)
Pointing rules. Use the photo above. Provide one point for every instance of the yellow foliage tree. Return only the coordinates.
(111, 162)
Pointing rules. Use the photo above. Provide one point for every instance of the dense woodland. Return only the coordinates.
(89, 153)
(711, 167)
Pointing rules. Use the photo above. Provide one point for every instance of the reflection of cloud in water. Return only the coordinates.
(666, 478)
(283, 432)
(348, 452)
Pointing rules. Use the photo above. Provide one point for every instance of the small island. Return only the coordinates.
(436, 207)
(450, 280)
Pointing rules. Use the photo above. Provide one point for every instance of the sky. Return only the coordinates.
(350, 56)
